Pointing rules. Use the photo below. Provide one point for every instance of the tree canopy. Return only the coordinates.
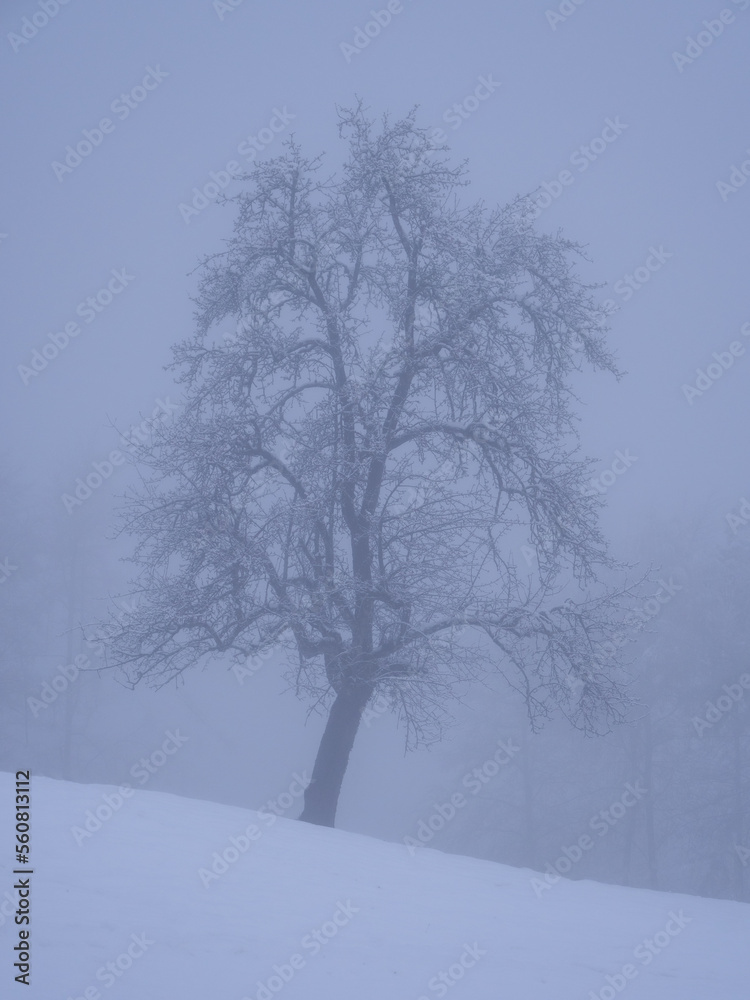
(360, 458)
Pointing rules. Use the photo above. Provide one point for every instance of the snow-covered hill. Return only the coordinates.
(156, 897)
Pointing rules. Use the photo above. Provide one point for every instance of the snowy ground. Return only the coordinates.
(133, 910)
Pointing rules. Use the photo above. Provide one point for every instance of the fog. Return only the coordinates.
(628, 145)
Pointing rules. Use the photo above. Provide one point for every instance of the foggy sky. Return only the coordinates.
(226, 77)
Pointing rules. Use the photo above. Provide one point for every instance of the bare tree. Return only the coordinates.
(356, 463)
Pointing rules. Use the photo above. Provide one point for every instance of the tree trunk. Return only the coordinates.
(322, 794)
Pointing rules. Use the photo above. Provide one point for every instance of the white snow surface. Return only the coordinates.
(341, 916)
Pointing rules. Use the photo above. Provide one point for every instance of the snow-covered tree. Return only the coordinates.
(388, 420)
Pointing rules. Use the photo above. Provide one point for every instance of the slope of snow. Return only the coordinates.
(131, 910)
